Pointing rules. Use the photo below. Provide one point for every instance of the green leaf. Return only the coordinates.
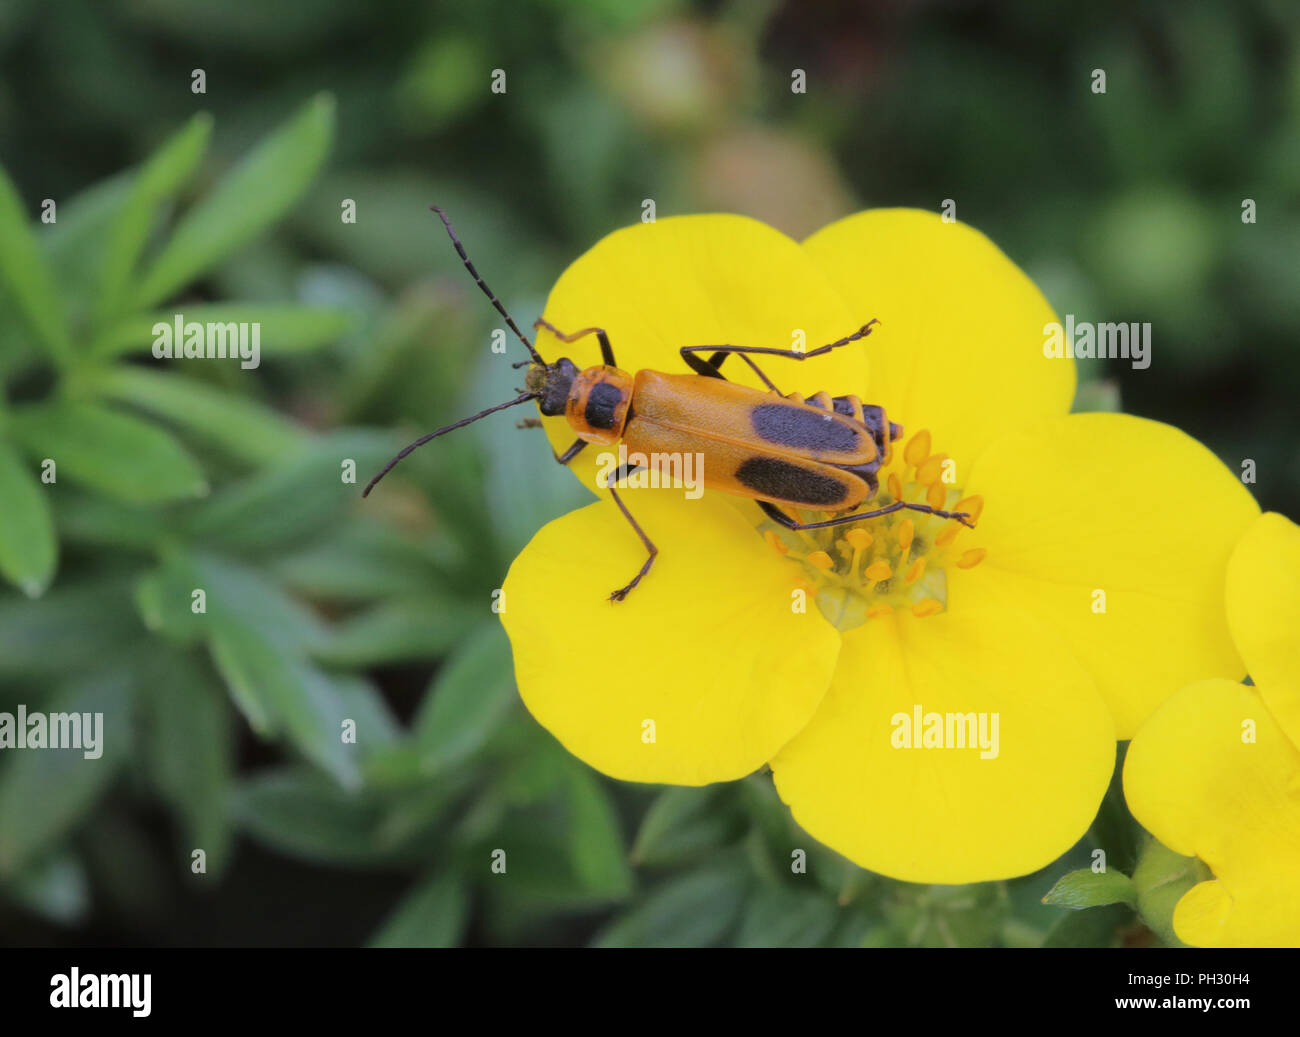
(402, 630)
(29, 279)
(431, 915)
(1086, 888)
(55, 888)
(778, 916)
(277, 691)
(695, 910)
(361, 559)
(45, 792)
(190, 750)
(472, 694)
(1099, 928)
(28, 545)
(71, 628)
(296, 499)
(244, 429)
(302, 813)
(595, 840)
(286, 328)
(111, 452)
(166, 171)
(684, 823)
(252, 196)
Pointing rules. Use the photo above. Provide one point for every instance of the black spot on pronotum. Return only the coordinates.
(602, 405)
(793, 426)
(784, 480)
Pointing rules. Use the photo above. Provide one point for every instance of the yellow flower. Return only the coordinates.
(1215, 772)
(1090, 585)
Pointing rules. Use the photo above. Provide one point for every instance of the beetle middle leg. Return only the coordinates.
(775, 513)
(606, 350)
(622, 472)
(710, 368)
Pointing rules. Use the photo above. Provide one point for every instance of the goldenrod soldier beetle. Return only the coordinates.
(782, 450)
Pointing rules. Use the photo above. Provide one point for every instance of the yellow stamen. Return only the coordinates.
(926, 607)
(859, 538)
(775, 542)
(918, 448)
(821, 560)
(936, 495)
(895, 486)
(915, 571)
(876, 611)
(973, 504)
(971, 558)
(878, 570)
(930, 469)
(906, 530)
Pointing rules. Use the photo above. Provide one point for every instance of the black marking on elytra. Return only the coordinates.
(779, 479)
(602, 403)
(792, 426)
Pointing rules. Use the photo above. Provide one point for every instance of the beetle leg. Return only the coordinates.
(606, 350)
(709, 368)
(621, 473)
(571, 453)
(775, 513)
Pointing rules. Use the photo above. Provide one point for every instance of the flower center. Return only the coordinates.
(872, 568)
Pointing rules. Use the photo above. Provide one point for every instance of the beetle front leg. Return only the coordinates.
(606, 350)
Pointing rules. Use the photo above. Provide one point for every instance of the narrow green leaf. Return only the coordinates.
(302, 813)
(111, 452)
(165, 172)
(45, 792)
(403, 630)
(777, 916)
(24, 271)
(252, 196)
(361, 559)
(695, 910)
(467, 701)
(286, 328)
(71, 628)
(243, 428)
(28, 545)
(298, 498)
(431, 915)
(190, 750)
(1086, 888)
(684, 823)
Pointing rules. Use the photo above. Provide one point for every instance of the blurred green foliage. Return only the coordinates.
(222, 724)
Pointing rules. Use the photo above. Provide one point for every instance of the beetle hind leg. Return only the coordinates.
(652, 552)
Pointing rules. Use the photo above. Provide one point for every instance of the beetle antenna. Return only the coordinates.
(537, 359)
(443, 431)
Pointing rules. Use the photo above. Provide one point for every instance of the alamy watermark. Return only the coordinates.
(25, 730)
(921, 730)
(650, 471)
(214, 340)
(1109, 341)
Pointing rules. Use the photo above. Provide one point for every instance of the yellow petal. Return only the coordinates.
(946, 814)
(1263, 597)
(702, 280)
(700, 675)
(1203, 783)
(959, 350)
(1107, 511)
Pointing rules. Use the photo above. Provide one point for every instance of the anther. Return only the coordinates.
(930, 469)
(895, 486)
(926, 607)
(877, 611)
(971, 558)
(918, 448)
(775, 542)
(878, 570)
(974, 505)
(949, 534)
(936, 495)
(859, 538)
(905, 532)
(915, 570)
(821, 560)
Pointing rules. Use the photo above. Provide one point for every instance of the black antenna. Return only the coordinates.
(442, 431)
(486, 290)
